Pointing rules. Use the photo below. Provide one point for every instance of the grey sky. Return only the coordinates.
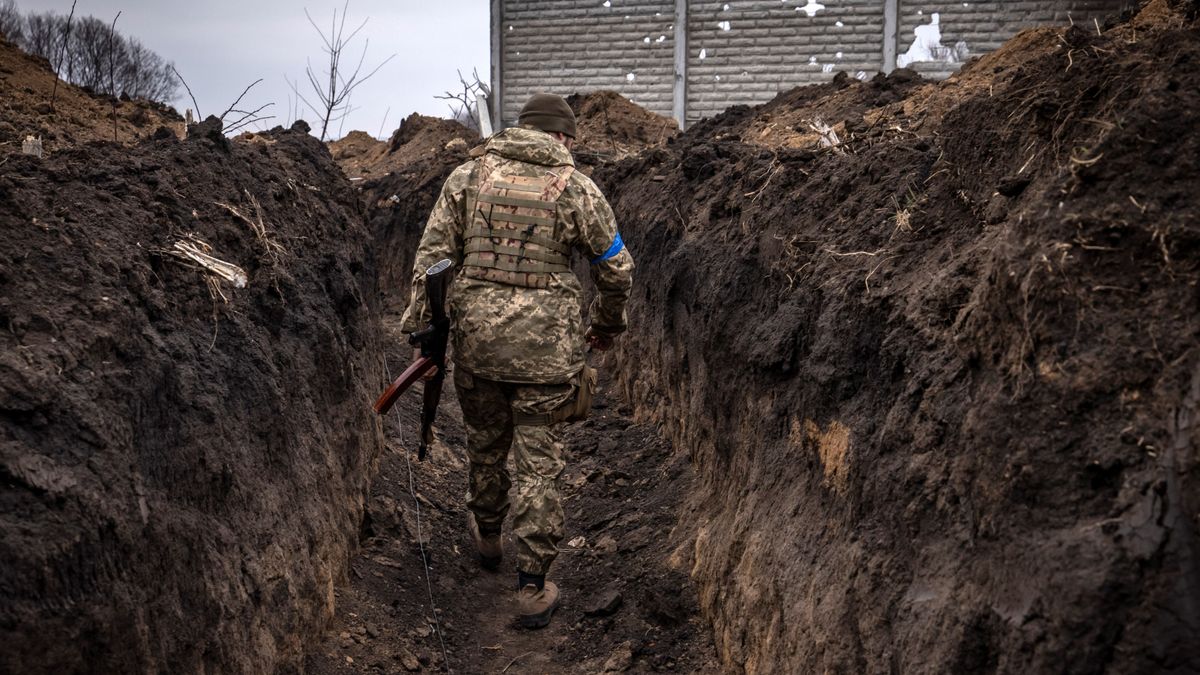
(220, 46)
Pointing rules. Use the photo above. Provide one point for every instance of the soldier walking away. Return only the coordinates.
(510, 219)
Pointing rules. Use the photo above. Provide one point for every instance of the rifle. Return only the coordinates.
(432, 341)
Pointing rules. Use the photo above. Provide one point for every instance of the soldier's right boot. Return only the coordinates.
(536, 605)
(487, 544)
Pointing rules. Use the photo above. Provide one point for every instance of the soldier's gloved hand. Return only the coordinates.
(432, 371)
(598, 341)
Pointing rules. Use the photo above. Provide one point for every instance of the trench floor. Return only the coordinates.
(628, 602)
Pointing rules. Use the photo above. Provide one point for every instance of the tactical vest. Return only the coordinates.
(510, 232)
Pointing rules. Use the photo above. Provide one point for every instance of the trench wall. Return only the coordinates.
(183, 459)
(940, 388)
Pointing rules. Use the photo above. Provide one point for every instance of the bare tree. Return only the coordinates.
(145, 74)
(11, 22)
(87, 52)
(464, 105)
(42, 36)
(333, 89)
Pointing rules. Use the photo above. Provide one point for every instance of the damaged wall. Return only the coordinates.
(742, 51)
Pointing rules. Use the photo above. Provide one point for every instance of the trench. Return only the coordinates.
(626, 606)
(917, 400)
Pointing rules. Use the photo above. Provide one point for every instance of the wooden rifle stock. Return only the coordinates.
(411, 374)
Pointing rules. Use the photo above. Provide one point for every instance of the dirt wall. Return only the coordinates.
(183, 462)
(402, 181)
(940, 381)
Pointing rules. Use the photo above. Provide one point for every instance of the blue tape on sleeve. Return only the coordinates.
(617, 247)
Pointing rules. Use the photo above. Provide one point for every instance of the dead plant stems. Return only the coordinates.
(112, 73)
(61, 52)
(515, 659)
(189, 90)
(333, 95)
(239, 100)
(854, 253)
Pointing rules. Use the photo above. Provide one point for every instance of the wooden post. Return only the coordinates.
(497, 97)
(891, 34)
(679, 108)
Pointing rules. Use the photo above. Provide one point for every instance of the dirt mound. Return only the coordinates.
(184, 461)
(611, 126)
(418, 140)
(403, 180)
(940, 381)
(77, 117)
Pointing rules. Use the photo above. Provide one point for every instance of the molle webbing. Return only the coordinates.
(510, 239)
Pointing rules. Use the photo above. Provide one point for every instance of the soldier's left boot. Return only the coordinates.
(487, 544)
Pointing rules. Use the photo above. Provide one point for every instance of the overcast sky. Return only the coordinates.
(220, 46)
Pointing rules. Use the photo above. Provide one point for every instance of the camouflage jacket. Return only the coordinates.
(513, 333)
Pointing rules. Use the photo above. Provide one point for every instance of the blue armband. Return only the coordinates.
(617, 247)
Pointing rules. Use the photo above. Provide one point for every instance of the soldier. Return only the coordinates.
(510, 219)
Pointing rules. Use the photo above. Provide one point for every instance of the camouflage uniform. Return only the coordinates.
(517, 336)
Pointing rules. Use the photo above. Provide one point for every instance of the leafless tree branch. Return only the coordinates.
(112, 72)
(239, 99)
(61, 51)
(463, 105)
(189, 89)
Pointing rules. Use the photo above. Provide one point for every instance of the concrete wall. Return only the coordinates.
(565, 46)
(742, 51)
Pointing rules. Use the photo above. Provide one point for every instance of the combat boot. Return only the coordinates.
(488, 545)
(536, 606)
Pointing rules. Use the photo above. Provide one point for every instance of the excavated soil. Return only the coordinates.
(922, 401)
(76, 116)
(418, 141)
(183, 462)
(612, 127)
(402, 180)
(940, 382)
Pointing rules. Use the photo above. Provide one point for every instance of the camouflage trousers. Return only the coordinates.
(538, 463)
